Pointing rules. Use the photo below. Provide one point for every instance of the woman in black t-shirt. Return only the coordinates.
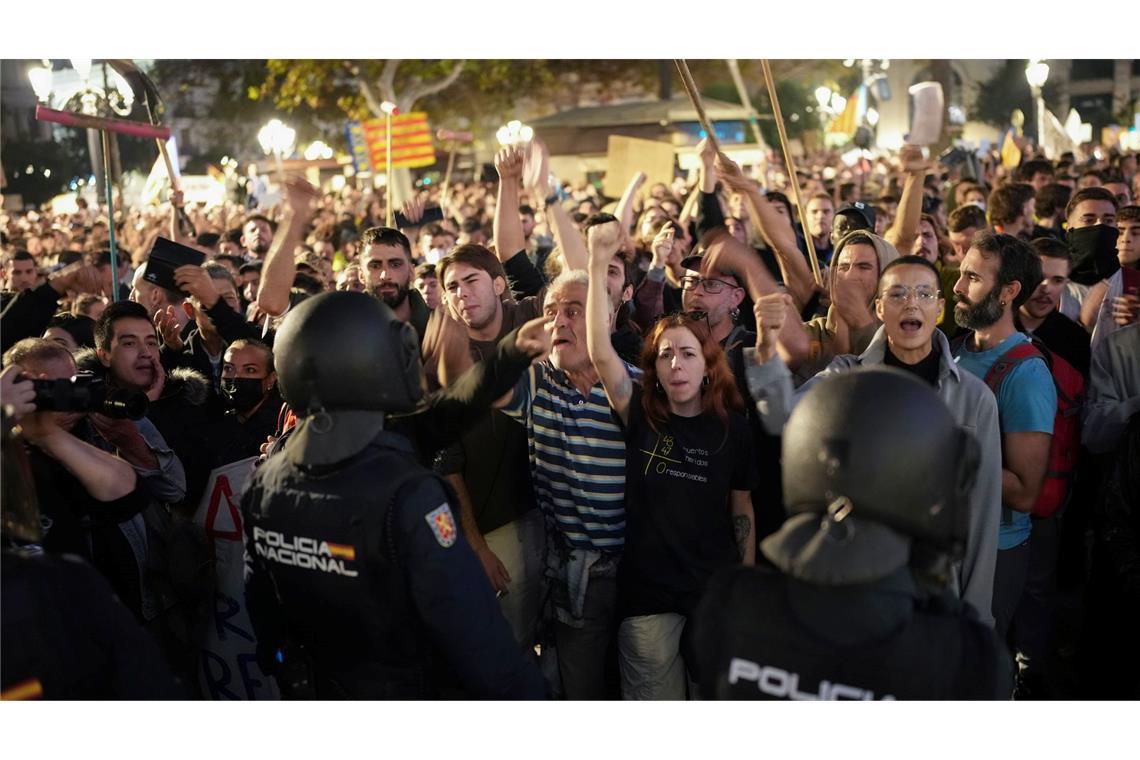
(689, 474)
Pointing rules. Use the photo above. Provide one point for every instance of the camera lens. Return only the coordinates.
(125, 405)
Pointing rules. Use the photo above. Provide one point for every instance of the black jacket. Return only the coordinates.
(188, 415)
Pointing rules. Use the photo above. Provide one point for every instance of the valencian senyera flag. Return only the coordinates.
(411, 141)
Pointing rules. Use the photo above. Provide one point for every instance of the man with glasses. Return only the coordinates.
(908, 303)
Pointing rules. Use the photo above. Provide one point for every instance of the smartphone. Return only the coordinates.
(431, 214)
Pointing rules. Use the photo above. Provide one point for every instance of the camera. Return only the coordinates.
(88, 394)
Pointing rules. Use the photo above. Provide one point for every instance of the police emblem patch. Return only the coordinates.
(442, 524)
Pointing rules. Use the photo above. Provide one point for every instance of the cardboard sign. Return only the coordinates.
(928, 109)
(626, 156)
(229, 669)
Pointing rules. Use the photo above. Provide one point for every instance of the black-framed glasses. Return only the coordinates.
(711, 286)
(924, 295)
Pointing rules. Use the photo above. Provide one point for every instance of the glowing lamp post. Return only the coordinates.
(278, 139)
(1037, 73)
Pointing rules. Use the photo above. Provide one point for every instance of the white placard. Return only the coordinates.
(928, 109)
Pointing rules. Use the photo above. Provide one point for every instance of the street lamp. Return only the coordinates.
(317, 149)
(41, 78)
(75, 90)
(1036, 73)
(277, 138)
(514, 132)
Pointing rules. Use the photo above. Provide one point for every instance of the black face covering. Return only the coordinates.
(242, 393)
(1094, 253)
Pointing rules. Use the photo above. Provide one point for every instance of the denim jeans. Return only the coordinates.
(649, 655)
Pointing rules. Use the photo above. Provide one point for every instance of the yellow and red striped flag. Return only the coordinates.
(411, 141)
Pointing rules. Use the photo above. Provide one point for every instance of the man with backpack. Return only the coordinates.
(1065, 344)
(998, 275)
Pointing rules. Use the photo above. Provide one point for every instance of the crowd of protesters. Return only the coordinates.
(685, 321)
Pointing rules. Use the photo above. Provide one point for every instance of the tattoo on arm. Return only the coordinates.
(742, 529)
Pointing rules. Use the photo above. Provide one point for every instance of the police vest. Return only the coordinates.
(750, 646)
(329, 542)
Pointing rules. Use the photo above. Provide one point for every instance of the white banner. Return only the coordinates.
(229, 669)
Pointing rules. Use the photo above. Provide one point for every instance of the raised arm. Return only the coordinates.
(603, 242)
(902, 232)
(775, 230)
(508, 231)
(624, 210)
(566, 235)
(279, 269)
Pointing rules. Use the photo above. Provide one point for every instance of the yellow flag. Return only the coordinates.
(1010, 153)
(846, 123)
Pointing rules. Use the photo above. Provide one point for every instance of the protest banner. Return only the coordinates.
(229, 669)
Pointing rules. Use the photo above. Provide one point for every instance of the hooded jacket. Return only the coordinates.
(822, 331)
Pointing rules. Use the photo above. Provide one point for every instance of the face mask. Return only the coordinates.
(435, 254)
(241, 393)
(1094, 253)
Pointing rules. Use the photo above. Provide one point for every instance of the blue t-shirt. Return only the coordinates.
(1027, 403)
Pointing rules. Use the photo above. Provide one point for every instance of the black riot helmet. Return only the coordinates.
(347, 351)
(344, 362)
(877, 455)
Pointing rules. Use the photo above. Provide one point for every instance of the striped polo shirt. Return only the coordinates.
(577, 456)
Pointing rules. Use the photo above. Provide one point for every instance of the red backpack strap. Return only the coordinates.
(1007, 361)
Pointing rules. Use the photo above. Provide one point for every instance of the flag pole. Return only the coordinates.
(390, 191)
(695, 99)
(812, 257)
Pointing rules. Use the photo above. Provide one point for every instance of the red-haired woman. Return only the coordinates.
(689, 474)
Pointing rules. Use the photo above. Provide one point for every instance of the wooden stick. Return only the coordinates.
(454, 138)
(389, 189)
(791, 170)
(695, 99)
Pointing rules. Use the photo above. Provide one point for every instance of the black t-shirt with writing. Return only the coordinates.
(678, 514)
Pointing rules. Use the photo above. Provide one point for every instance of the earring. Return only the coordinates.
(705, 381)
(1002, 304)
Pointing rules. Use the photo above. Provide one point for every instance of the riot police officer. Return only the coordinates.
(358, 580)
(875, 477)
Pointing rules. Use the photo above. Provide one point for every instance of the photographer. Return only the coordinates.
(84, 492)
(65, 635)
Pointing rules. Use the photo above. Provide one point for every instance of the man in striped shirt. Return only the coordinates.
(577, 458)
